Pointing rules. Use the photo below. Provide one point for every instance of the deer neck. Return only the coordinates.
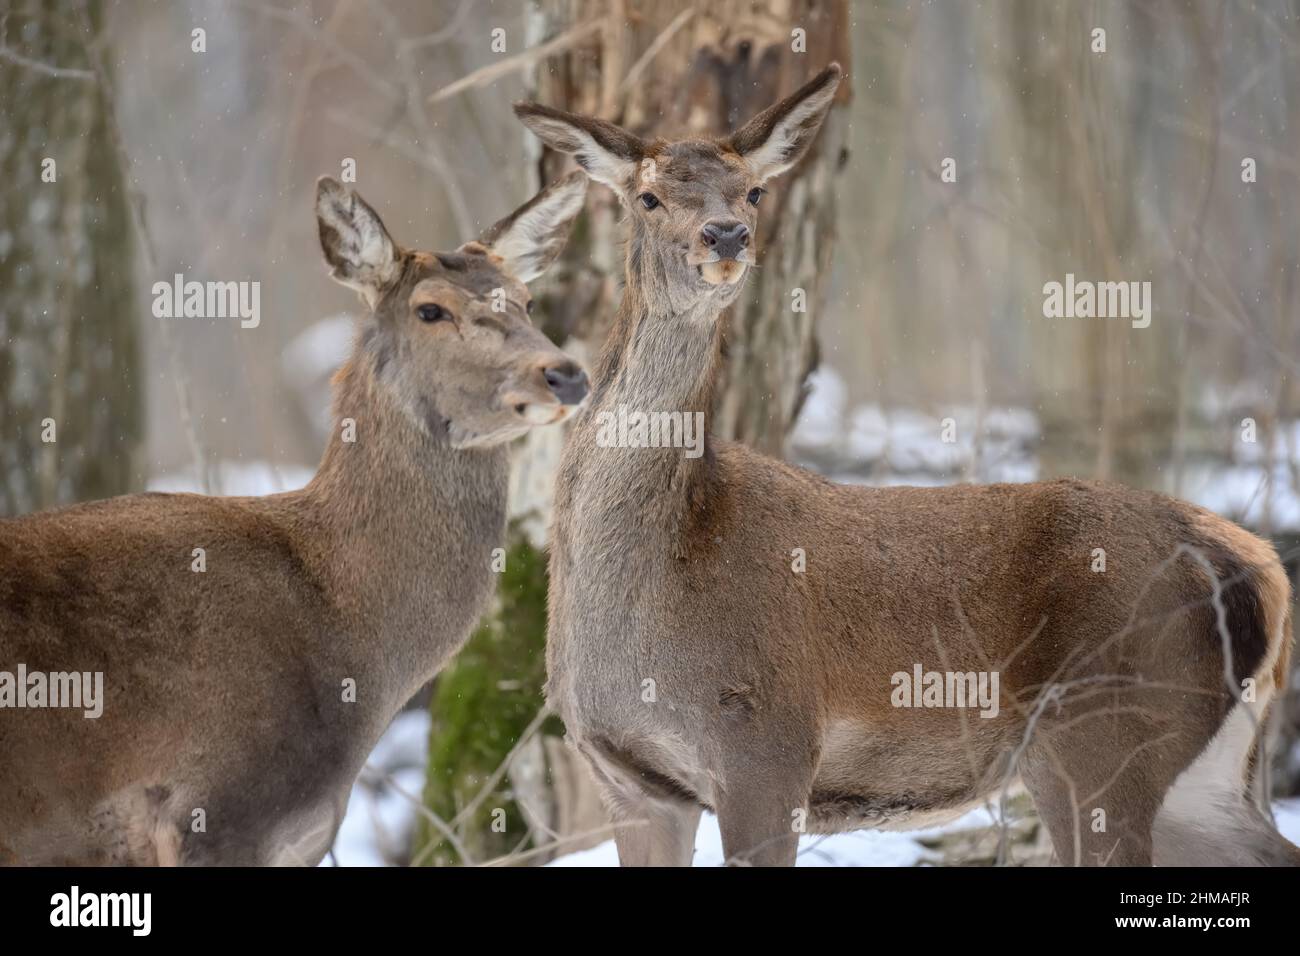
(661, 356)
(663, 352)
(408, 526)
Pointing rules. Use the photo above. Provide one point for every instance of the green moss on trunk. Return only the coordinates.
(481, 704)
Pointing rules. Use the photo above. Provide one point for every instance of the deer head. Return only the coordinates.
(448, 334)
(693, 203)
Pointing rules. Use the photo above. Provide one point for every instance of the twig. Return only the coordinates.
(547, 847)
(439, 824)
(427, 159)
(1230, 677)
(305, 24)
(46, 69)
(520, 61)
(1128, 759)
(428, 139)
(501, 769)
(439, 36)
(659, 42)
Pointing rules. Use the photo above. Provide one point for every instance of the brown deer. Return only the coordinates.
(732, 633)
(244, 684)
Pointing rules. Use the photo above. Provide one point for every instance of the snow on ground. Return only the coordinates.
(309, 362)
(1287, 815)
(864, 847)
(821, 420)
(381, 815)
(859, 848)
(830, 436)
(254, 477)
(381, 818)
(903, 446)
(1240, 492)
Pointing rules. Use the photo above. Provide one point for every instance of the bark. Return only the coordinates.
(67, 307)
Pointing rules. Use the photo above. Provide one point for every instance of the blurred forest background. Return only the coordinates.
(1172, 156)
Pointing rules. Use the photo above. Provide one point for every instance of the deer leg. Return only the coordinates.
(1087, 829)
(1098, 768)
(652, 832)
(1099, 780)
(761, 807)
(654, 820)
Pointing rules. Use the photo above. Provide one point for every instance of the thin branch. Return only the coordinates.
(304, 23)
(45, 69)
(438, 822)
(661, 41)
(518, 62)
(452, 29)
(424, 158)
(486, 790)
(547, 847)
(428, 138)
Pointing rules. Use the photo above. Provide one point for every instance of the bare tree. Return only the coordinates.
(69, 387)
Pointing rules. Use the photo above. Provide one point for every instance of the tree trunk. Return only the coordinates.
(666, 69)
(68, 370)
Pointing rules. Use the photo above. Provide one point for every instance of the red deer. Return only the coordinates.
(253, 649)
(728, 632)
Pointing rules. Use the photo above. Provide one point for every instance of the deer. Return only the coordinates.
(728, 632)
(241, 697)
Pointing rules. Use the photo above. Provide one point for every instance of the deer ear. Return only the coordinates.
(360, 253)
(777, 138)
(609, 153)
(532, 237)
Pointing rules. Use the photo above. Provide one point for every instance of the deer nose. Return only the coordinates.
(727, 239)
(568, 381)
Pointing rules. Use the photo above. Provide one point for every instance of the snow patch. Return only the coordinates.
(381, 814)
(252, 478)
(858, 848)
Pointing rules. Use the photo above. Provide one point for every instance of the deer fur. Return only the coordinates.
(226, 690)
(696, 666)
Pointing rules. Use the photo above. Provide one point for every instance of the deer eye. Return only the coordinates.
(529, 307)
(431, 312)
(755, 195)
(649, 200)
